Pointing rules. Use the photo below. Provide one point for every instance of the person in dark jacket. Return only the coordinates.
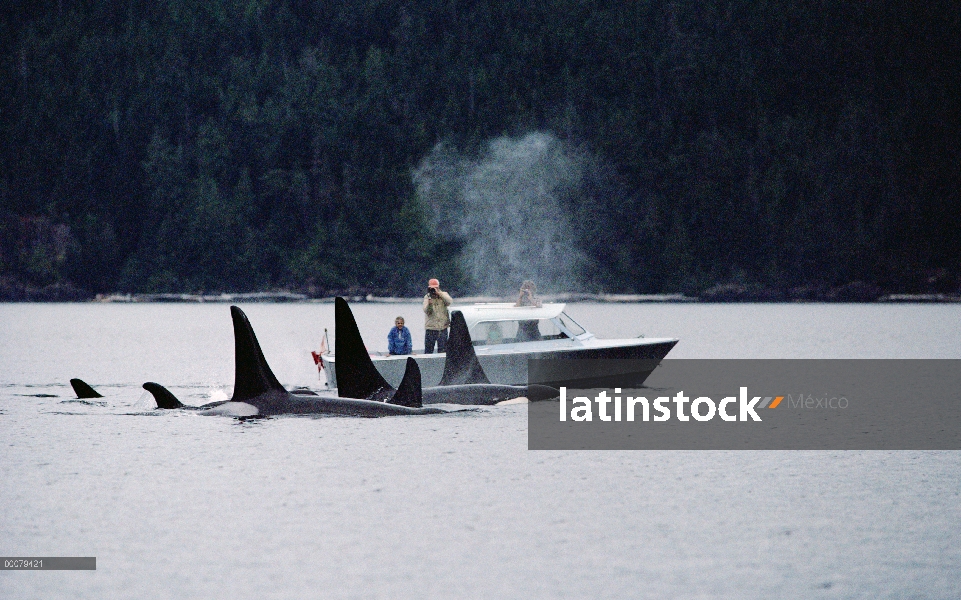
(398, 340)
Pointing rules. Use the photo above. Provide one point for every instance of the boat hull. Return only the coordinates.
(507, 364)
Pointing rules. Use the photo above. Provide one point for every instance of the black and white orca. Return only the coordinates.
(258, 393)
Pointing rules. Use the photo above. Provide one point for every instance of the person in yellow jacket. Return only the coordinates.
(436, 317)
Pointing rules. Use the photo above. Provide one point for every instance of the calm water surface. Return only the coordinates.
(178, 505)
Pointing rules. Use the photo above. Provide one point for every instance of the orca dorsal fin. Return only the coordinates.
(83, 390)
(162, 396)
(461, 365)
(252, 374)
(356, 375)
(409, 393)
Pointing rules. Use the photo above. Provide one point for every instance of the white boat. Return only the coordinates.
(505, 336)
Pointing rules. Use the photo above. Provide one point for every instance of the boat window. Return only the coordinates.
(549, 330)
(493, 332)
(570, 325)
(488, 333)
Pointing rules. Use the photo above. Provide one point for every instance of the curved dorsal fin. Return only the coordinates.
(410, 393)
(83, 390)
(356, 375)
(162, 396)
(461, 365)
(252, 375)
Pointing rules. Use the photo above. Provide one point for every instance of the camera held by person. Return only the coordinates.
(527, 295)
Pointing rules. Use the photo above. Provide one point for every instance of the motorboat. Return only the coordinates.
(505, 336)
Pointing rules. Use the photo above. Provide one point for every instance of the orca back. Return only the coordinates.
(409, 393)
(162, 396)
(83, 390)
(461, 365)
(356, 375)
(252, 374)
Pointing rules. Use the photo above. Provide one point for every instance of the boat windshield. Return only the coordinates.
(570, 325)
(511, 331)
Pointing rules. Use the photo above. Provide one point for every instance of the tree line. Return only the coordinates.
(245, 145)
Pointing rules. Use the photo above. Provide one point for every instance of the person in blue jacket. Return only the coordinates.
(398, 340)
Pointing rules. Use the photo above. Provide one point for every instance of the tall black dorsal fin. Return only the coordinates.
(83, 390)
(356, 375)
(162, 396)
(252, 375)
(410, 393)
(461, 365)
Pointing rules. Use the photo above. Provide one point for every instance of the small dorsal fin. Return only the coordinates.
(461, 365)
(162, 396)
(356, 375)
(302, 391)
(83, 390)
(410, 393)
(252, 374)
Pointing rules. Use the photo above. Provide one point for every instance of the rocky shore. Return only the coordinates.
(857, 291)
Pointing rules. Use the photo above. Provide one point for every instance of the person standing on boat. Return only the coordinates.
(527, 331)
(436, 317)
(527, 296)
(399, 340)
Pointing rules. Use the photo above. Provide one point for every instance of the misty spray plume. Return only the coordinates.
(507, 207)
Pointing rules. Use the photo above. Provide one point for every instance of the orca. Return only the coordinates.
(83, 390)
(461, 367)
(463, 382)
(163, 396)
(258, 393)
(166, 400)
(356, 375)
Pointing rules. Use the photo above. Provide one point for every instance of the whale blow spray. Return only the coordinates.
(507, 207)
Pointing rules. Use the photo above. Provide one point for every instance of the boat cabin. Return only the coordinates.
(496, 323)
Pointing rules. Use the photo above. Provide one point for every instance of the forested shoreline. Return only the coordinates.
(790, 148)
